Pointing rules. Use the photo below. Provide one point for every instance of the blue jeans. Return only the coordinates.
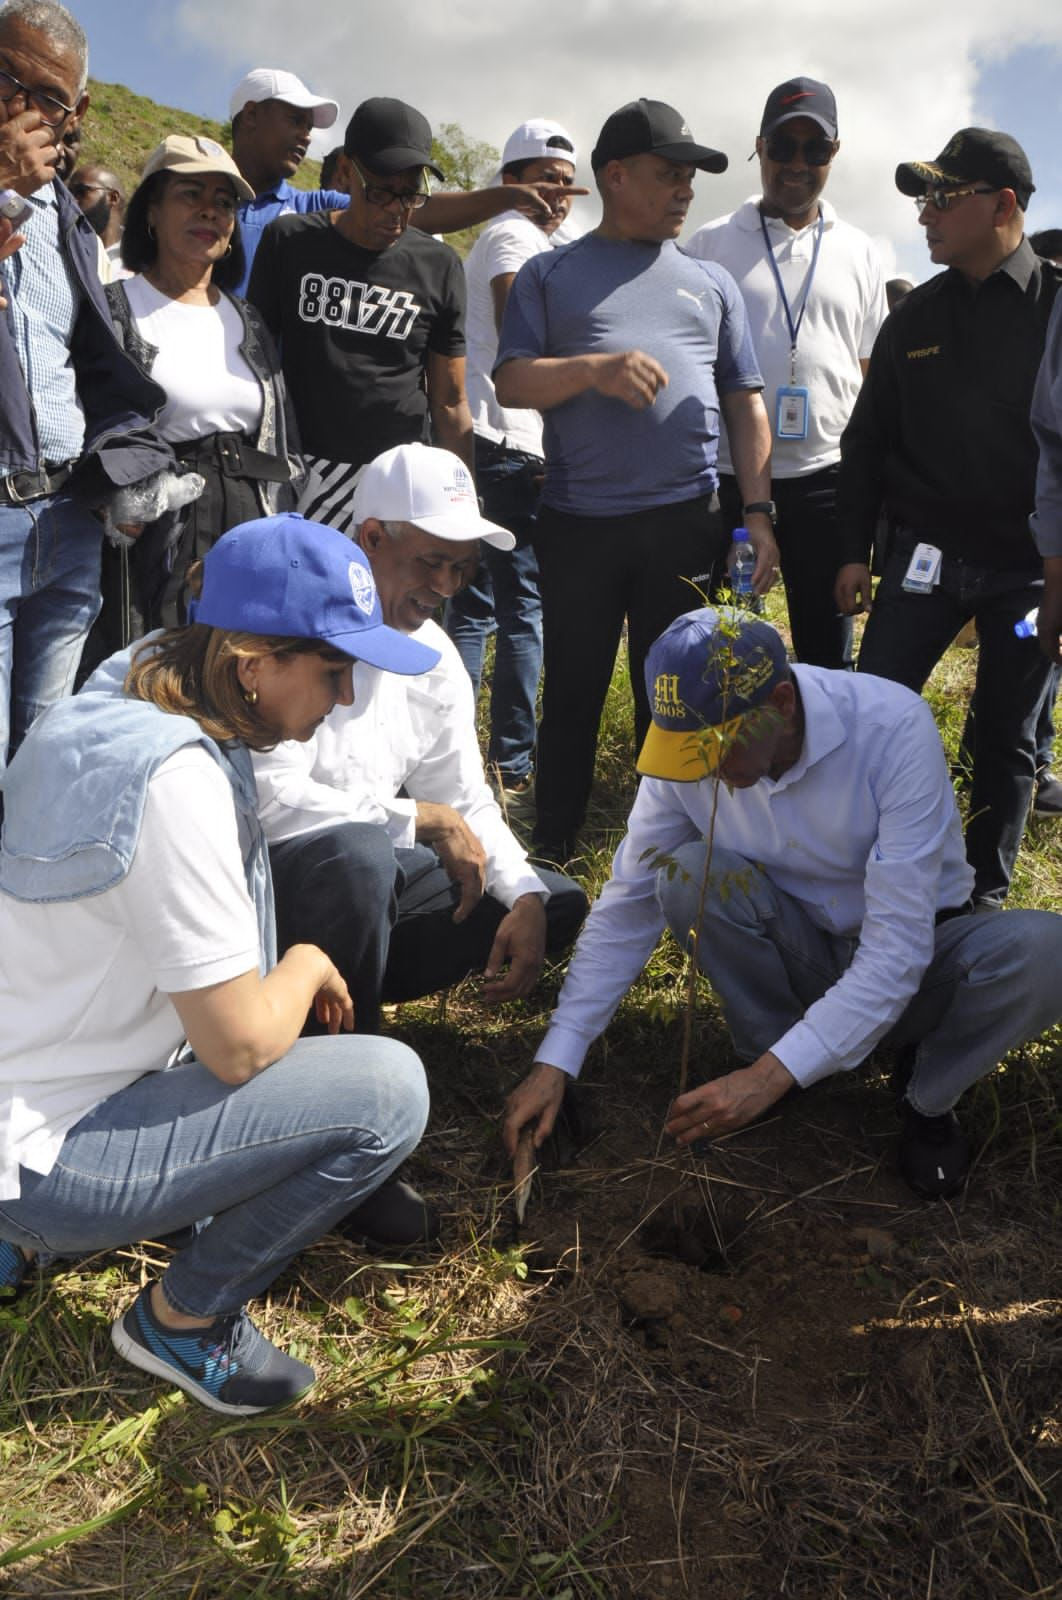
(49, 595)
(274, 1163)
(505, 596)
(992, 982)
(385, 916)
(905, 637)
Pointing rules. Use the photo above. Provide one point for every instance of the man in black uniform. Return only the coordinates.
(369, 314)
(941, 434)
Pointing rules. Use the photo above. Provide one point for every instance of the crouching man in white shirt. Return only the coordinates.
(384, 836)
(836, 911)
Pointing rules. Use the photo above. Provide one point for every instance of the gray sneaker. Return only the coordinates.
(228, 1366)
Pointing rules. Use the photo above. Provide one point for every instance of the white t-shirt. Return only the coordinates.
(209, 386)
(503, 247)
(84, 983)
(845, 309)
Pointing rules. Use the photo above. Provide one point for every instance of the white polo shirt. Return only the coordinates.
(845, 309)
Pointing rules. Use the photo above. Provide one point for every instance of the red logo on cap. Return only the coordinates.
(804, 94)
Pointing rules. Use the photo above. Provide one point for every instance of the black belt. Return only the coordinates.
(946, 914)
(19, 487)
(234, 457)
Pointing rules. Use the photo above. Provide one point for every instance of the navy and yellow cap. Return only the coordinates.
(705, 674)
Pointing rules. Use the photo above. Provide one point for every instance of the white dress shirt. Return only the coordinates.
(413, 733)
(862, 831)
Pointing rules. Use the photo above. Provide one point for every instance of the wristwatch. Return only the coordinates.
(767, 507)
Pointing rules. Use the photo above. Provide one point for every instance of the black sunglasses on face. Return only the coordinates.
(782, 147)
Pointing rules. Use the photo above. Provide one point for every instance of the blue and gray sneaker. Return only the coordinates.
(13, 1268)
(229, 1366)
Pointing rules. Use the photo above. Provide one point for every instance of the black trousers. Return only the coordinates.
(385, 916)
(594, 573)
(807, 542)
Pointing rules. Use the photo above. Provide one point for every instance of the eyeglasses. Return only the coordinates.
(782, 147)
(377, 195)
(52, 111)
(79, 189)
(941, 199)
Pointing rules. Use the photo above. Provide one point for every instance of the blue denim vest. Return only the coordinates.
(74, 796)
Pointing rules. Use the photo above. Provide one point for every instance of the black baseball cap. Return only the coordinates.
(800, 97)
(649, 127)
(388, 137)
(973, 155)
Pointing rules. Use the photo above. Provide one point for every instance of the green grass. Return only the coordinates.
(122, 128)
(432, 1458)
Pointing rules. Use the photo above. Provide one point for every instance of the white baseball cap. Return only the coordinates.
(429, 487)
(270, 83)
(538, 140)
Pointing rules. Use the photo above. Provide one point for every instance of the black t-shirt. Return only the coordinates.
(355, 327)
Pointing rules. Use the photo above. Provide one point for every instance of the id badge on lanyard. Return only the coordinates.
(792, 410)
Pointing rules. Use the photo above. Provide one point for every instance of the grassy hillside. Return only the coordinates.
(122, 128)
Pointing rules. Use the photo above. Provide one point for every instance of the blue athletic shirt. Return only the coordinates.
(256, 215)
(603, 458)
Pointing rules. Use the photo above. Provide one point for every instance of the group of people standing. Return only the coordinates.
(270, 816)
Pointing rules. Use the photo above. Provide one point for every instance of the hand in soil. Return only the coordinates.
(536, 1100)
(728, 1103)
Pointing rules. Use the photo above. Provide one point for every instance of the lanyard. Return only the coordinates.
(794, 327)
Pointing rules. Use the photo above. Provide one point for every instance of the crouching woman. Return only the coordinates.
(136, 914)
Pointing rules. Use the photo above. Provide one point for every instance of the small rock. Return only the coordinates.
(881, 1246)
(649, 1296)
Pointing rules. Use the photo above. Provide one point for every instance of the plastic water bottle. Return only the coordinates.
(1026, 628)
(742, 565)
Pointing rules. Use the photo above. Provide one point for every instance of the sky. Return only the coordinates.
(906, 75)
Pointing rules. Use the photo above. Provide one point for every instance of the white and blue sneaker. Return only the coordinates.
(228, 1366)
(13, 1268)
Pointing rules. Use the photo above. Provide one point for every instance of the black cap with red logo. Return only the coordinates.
(801, 97)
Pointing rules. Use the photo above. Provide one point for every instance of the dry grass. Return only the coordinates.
(845, 1396)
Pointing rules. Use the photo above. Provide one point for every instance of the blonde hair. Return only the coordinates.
(194, 672)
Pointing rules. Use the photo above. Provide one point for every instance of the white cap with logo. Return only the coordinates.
(271, 83)
(429, 487)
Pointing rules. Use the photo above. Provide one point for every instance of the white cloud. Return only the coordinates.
(904, 72)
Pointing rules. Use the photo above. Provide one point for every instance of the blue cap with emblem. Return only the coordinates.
(292, 578)
(707, 675)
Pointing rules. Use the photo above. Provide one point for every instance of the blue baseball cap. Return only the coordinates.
(299, 579)
(704, 675)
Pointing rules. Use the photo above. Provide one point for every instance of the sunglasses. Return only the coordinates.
(377, 195)
(782, 147)
(941, 199)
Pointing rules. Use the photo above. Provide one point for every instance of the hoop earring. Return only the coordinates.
(151, 230)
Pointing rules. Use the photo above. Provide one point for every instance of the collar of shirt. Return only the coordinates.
(748, 217)
(280, 191)
(1022, 266)
(823, 730)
